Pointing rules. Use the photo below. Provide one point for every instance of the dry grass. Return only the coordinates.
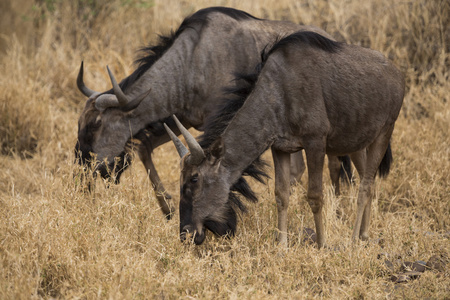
(57, 241)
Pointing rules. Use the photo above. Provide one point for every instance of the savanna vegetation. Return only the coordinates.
(57, 241)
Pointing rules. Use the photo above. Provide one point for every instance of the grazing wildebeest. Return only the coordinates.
(311, 93)
(181, 75)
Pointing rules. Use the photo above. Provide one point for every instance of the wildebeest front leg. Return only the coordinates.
(281, 162)
(315, 156)
(374, 155)
(297, 167)
(163, 197)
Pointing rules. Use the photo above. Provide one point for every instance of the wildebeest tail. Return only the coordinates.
(346, 172)
(385, 165)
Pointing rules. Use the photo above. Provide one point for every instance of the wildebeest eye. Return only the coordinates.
(97, 124)
(194, 178)
(94, 124)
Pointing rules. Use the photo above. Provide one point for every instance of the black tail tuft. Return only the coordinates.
(385, 165)
(346, 173)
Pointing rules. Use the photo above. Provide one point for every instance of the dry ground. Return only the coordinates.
(58, 242)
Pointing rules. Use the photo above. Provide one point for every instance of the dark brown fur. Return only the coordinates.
(185, 73)
(312, 94)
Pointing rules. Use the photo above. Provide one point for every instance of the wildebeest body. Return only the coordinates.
(339, 95)
(313, 94)
(185, 74)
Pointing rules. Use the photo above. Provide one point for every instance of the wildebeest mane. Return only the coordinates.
(231, 12)
(234, 98)
(152, 53)
(215, 125)
(196, 21)
(301, 38)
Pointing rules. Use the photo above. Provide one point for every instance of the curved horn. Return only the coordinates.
(197, 154)
(135, 102)
(123, 100)
(80, 83)
(181, 148)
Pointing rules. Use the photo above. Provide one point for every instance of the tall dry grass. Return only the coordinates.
(58, 242)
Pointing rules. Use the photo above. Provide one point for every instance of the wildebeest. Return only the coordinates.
(178, 76)
(311, 93)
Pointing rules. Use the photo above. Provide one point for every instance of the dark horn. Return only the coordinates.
(80, 83)
(135, 102)
(123, 100)
(181, 148)
(197, 154)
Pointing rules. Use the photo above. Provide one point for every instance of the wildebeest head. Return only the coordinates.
(204, 191)
(104, 128)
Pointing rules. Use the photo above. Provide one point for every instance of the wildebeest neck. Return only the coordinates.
(215, 125)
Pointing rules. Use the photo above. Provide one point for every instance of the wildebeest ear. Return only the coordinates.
(217, 148)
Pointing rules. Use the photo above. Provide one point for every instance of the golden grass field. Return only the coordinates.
(58, 242)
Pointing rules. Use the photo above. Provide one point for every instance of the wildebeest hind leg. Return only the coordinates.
(334, 166)
(297, 167)
(315, 156)
(359, 160)
(374, 155)
(281, 162)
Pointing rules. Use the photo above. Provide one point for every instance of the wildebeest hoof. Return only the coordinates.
(364, 237)
(309, 236)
